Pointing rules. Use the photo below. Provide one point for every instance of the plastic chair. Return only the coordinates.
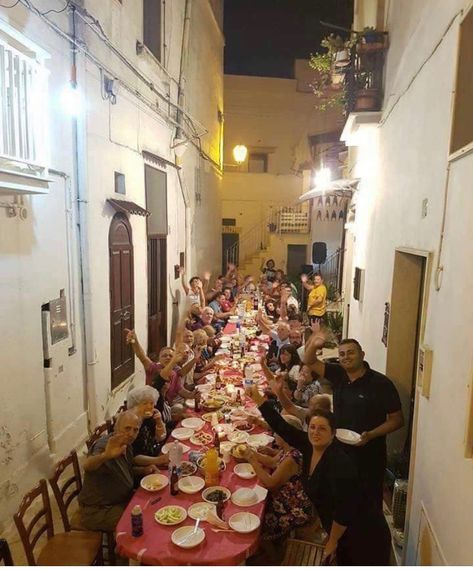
(300, 552)
(5, 554)
(69, 548)
(66, 490)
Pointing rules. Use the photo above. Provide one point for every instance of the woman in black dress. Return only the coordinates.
(357, 535)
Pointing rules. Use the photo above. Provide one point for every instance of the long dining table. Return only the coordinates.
(155, 547)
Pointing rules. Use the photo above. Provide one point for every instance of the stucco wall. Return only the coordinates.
(408, 159)
(33, 260)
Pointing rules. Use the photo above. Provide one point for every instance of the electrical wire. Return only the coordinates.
(12, 6)
(52, 11)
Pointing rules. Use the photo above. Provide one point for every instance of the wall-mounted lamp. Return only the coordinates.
(71, 100)
(322, 179)
(240, 153)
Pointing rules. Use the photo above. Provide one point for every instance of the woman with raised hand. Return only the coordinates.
(358, 534)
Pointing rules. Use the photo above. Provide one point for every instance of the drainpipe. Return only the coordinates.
(80, 172)
(180, 102)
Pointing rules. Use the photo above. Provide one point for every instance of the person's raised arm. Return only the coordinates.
(262, 324)
(182, 272)
(305, 282)
(293, 436)
(206, 281)
(314, 343)
(132, 339)
(115, 447)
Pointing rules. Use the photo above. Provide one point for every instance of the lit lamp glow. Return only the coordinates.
(71, 100)
(239, 153)
(322, 179)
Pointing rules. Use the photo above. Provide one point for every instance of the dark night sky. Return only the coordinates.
(263, 37)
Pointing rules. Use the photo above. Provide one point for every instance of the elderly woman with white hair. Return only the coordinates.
(147, 446)
(288, 505)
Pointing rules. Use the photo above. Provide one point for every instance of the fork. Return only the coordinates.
(189, 535)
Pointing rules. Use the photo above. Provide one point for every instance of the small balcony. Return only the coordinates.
(364, 74)
(292, 219)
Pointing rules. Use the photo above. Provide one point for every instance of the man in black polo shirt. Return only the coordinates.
(364, 401)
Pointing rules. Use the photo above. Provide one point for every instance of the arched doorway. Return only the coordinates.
(122, 306)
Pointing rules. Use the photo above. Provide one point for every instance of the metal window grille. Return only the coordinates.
(20, 107)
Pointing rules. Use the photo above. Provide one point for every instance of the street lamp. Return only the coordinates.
(239, 153)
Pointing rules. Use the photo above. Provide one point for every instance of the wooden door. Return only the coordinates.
(296, 258)
(122, 308)
(157, 300)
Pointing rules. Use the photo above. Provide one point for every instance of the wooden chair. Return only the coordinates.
(5, 555)
(69, 548)
(99, 431)
(300, 552)
(66, 490)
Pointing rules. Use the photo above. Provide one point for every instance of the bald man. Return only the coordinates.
(109, 475)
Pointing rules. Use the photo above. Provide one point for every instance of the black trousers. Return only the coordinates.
(366, 542)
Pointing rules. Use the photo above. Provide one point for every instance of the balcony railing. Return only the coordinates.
(294, 219)
(364, 75)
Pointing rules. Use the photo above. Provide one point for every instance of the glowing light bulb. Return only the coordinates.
(71, 100)
(239, 153)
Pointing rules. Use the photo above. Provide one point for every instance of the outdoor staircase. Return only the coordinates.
(258, 242)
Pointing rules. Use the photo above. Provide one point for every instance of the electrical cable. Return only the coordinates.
(12, 6)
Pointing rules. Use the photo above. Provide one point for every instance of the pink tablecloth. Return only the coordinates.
(230, 328)
(155, 547)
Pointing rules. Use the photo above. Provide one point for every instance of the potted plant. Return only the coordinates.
(367, 96)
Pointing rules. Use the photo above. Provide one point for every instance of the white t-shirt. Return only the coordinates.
(194, 297)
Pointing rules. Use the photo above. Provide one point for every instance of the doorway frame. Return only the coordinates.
(428, 256)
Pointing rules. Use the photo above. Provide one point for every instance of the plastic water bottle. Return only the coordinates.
(175, 455)
(248, 376)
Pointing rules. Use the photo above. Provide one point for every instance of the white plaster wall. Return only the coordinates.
(33, 253)
(33, 269)
(409, 152)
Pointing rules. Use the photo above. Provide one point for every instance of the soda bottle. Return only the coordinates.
(136, 521)
(217, 441)
(218, 380)
(174, 481)
(238, 397)
(211, 468)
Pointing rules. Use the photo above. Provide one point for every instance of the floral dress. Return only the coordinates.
(288, 506)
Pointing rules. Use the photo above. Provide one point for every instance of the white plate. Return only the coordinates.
(179, 536)
(178, 509)
(190, 403)
(167, 446)
(244, 522)
(260, 440)
(193, 423)
(200, 510)
(238, 437)
(348, 437)
(154, 482)
(244, 470)
(244, 497)
(182, 434)
(210, 489)
(195, 441)
(191, 484)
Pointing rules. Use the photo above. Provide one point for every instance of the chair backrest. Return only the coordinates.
(5, 554)
(67, 487)
(30, 533)
(300, 552)
(106, 427)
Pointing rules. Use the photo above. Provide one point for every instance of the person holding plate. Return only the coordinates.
(358, 532)
(364, 401)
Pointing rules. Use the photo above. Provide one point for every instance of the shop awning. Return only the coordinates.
(129, 207)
